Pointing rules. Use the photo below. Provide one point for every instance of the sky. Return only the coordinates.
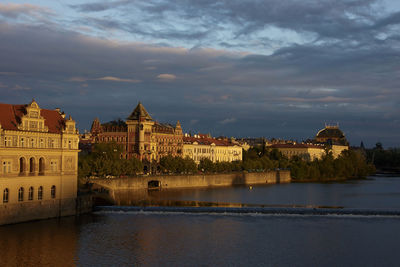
(242, 68)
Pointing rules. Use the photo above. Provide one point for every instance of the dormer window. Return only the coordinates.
(34, 114)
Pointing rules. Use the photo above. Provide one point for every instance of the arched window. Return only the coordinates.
(5, 195)
(21, 194)
(41, 166)
(32, 165)
(30, 195)
(22, 165)
(53, 191)
(40, 193)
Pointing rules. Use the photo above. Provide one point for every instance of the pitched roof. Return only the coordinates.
(206, 141)
(10, 117)
(140, 112)
(295, 146)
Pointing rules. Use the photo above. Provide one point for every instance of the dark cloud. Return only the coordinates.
(99, 6)
(322, 19)
(343, 73)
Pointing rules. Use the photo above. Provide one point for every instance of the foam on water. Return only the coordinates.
(245, 211)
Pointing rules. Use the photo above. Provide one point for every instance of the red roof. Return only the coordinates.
(206, 141)
(10, 117)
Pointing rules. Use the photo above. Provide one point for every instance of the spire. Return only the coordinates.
(140, 112)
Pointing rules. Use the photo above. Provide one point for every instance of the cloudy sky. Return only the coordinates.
(239, 68)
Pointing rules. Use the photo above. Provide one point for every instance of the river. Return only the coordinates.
(170, 238)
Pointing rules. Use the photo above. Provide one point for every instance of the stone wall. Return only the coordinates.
(36, 210)
(190, 181)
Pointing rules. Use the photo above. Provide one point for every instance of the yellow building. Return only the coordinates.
(304, 151)
(200, 147)
(39, 163)
(308, 151)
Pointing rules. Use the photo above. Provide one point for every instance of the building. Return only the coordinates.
(141, 136)
(331, 137)
(39, 163)
(199, 147)
(331, 134)
(334, 138)
(304, 151)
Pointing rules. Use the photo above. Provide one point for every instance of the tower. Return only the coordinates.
(140, 125)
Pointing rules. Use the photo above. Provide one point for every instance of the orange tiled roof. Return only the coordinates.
(10, 117)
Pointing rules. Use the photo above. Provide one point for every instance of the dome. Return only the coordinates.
(331, 134)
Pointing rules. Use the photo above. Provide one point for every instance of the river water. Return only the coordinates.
(111, 237)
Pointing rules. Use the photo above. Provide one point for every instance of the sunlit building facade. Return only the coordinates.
(39, 163)
(200, 147)
(140, 136)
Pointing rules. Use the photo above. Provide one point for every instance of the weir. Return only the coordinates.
(255, 210)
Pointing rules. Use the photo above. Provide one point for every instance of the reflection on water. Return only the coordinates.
(210, 239)
(157, 239)
(41, 243)
(371, 194)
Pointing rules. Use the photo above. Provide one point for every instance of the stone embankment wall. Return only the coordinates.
(190, 181)
(45, 209)
(36, 210)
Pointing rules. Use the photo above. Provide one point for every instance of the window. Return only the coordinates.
(40, 193)
(32, 165)
(30, 195)
(22, 142)
(53, 191)
(7, 141)
(33, 124)
(21, 194)
(41, 143)
(6, 166)
(5, 195)
(41, 166)
(33, 142)
(21, 165)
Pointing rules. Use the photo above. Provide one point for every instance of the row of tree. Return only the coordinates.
(105, 159)
(384, 159)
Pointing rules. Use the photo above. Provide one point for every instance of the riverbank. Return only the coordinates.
(193, 181)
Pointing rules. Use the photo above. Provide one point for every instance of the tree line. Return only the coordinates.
(384, 159)
(105, 159)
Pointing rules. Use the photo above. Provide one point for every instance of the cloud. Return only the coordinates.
(228, 120)
(166, 77)
(318, 64)
(14, 11)
(98, 6)
(105, 78)
(116, 79)
(243, 25)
